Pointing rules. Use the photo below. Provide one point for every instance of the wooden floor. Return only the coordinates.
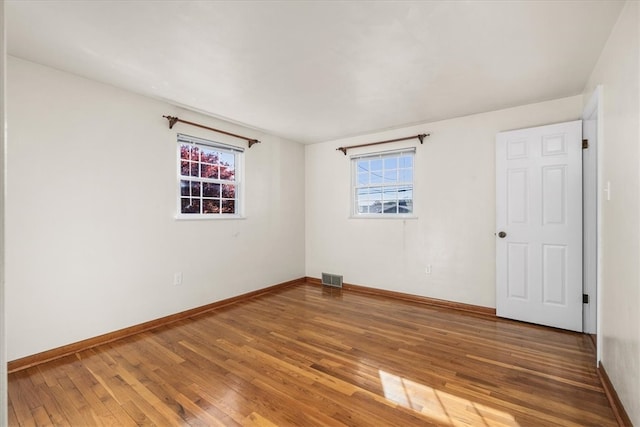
(310, 356)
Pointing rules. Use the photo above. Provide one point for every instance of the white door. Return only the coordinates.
(539, 225)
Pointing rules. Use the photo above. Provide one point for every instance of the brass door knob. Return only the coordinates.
(502, 234)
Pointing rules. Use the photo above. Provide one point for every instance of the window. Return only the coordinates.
(209, 178)
(383, 184)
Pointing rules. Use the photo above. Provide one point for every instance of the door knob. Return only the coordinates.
(502, 234)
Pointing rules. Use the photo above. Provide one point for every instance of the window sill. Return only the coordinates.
(379, 216)
(197, 217)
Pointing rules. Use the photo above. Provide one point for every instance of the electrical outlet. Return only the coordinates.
(177, 279)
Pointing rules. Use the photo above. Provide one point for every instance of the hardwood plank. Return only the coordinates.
(86, 384)
(41, 417)
(301, 355)
(51, 405)
(12, 417)
(68, 411)
(257, 420)
(21, 394)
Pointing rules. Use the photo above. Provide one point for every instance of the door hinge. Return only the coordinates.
(585, 298)
(585, 144)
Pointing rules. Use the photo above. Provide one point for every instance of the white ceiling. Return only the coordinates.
(317, 71)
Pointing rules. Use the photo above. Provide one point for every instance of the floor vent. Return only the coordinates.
(332, 280)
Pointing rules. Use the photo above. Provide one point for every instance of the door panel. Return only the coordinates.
(554, 193)
(554, 267)
(518, 265)
(517, 196)
(539, 207)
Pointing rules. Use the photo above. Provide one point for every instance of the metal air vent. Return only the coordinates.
(334, 280)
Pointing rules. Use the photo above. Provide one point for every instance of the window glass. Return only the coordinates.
(383, 184)
(208, 173)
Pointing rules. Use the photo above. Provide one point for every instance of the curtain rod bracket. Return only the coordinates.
(421, 137)
(173, 120)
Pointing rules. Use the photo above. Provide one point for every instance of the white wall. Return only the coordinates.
(92, 243)
(454, 202)
(618, 70)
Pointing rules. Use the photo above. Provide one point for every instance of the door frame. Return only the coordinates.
(532, 233)
(591, 170)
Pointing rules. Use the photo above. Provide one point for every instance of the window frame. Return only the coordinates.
(398, 153)
(238, 182)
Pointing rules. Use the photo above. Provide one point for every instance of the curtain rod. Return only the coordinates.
(173, 120)
(421, 137)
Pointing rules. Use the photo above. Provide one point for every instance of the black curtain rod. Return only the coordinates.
(173, 120)
(421, 137)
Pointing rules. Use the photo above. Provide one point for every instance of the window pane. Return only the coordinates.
(229, 191)
(195, 189)
(390, 176)
(194, 168)
(406, 161)
(228, 159)
(376, 194)
(209, 156)
(227, 166)
(376, 165)
(195, 153)
(209, 171)
(184, 188)
(405, 192)
(363, 178)
(210, 206)
(390, 207)
(185, 167)
(190, 206)
(406, 175)
(185, 150)
(391, 163)
(376, 177)
(405, 206)
(375, 207)
(227, 173)
(390, 194)
(228, 206)
(210, 190)
(363, 166)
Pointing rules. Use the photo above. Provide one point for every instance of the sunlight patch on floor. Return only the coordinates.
(442, 407)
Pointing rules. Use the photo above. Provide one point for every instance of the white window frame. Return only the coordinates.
(238, 182)
(355, 186)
